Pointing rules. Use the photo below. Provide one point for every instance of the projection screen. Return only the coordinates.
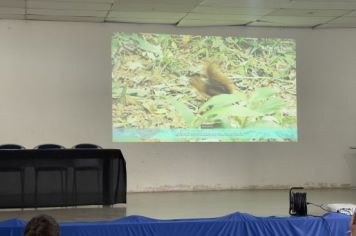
(196, 88)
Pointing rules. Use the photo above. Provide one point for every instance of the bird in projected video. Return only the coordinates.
(215, 83)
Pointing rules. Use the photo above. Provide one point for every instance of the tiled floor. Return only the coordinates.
(171, 205)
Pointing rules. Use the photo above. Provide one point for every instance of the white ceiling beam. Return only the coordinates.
(352, 13)
(307, 12)
(232, 10)
(176, 7)
(12, 11)
(202, 23)
(344, 20)
(210, 17)
(65, 18)
(157, 15)
(55, 12)
(322, 5)
(326, 1)
(13, 4)
(12, 16)
(247, 3)
(157, 2)
(142, 20)
(291, 21)
(336, 26)
(87, 1)
(37, 4)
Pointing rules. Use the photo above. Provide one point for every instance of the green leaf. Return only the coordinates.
(140, 92)
(225, 122)
(261, 94)
(135, 65)
(146, 46)
(221, 101)
(231, 111)
(183, 110)
(270, 106)
(116, 90)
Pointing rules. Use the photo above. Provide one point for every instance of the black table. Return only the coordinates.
(110, 163)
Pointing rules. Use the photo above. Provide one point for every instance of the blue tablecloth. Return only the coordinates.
(231, 225)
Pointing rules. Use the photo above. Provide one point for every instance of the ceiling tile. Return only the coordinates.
(247, 3)
(55, 12)
(141, 20)
(64, 18)
(87, 1)
(143, 15)
(174, 7)
(12, 11)
(343, 1)
(197, 22)
(231, 10)
(155, 2)
(338, 5)
(277, 25)
(12, 16)
(337, 26)
(352, 13)
(67, 5)
(344, 20)
(283, 13)
(307, 12)
(219, 17)
(155, 5)
(293, 21)
(13, 3)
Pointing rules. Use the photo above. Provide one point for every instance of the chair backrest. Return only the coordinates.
(87, 145)
(11, 147)
(49, 146)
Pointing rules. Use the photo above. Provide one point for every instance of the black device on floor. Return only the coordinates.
(297, 202)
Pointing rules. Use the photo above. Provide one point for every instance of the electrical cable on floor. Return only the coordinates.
(320, 206)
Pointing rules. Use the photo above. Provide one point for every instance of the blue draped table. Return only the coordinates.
(231, 225)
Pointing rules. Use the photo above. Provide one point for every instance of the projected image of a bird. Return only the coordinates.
(215, 82)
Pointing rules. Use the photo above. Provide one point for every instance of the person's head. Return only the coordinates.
(42, 225)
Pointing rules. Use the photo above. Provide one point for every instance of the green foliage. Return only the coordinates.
(186, 113)
(149, 68)
(235, 110)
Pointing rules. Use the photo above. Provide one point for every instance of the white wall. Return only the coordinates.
(55, 86)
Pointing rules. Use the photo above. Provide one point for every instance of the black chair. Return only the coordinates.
(85, 165)
(11, 147)
(49, 146)
(14, 167)
(87, 146)
(60, 166)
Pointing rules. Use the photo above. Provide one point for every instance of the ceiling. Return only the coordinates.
(186, 13)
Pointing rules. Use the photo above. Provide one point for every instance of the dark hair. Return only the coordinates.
(42, 225)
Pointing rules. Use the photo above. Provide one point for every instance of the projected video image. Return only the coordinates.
(191, 88)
